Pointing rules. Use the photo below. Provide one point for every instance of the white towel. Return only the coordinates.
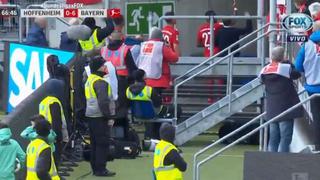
(112, 79)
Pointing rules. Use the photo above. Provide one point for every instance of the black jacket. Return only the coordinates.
(281, 95)
(68, 44)
(229, 35)
(136, 89)
(104, 102)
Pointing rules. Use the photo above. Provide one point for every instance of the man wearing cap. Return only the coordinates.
(99, 110)
(167, 162)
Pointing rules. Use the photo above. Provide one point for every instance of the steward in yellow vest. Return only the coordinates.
(167, 162)
(97, 39)
(139, 91)
(40, 161)
(99, 112)
(51, 108)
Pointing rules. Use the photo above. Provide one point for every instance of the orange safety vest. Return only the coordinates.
(117, 58)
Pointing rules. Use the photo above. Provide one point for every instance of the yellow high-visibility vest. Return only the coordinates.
(92, 109)
(44, 108)
(144, 95)
(92, 43)
(34, 150)
(161, 171)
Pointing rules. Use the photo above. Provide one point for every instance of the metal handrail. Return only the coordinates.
(219, 53)
(197, 177)
(197, 154)
(211, 18)
(18, 7)
(210, 66)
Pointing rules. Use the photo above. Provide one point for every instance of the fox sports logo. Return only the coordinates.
(297, 23)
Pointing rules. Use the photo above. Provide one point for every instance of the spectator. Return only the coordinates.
(308, 62)
(40, 162)
(171, 33)
(228, 34)
(281, 94)
(36, 35)
(167, 162)
(203, 35)
(30, 133)
(302, 6)
(120, 56)
(10, 150)
(141, 92)
(93, 45)
(314, 9)
(99, 112)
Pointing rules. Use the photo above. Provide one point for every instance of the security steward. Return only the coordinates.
(97, 39)
(139, 91)
(99, 110)
(51, 108)
(120, 56)
(40, 162)
(167, 162)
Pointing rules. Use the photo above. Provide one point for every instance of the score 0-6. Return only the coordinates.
(70, 13)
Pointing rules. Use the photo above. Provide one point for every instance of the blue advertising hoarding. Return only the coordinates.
(28, 70)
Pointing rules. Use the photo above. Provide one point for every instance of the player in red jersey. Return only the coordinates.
(203, 37)
(171, 33)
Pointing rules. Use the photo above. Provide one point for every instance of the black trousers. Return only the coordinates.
(99, 137)
(315, 110)
(57, 153)
(152, 129)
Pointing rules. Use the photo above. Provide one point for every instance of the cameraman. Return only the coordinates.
(98, 112)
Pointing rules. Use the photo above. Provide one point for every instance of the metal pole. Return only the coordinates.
(261, 133)
(230, 80)
(273, 20)
(259, 25)
(150, 22)
(211, 36)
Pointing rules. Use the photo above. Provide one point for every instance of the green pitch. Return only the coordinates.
(228, 166)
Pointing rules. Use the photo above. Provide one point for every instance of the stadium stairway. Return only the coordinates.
(205, 104)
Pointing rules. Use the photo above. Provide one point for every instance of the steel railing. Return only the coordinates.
(230, 63)
(197, 166)
(211, 18)
(197, 154)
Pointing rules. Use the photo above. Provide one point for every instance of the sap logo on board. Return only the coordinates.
(28, 70)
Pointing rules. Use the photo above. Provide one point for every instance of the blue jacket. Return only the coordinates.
(9, 151)
(315, 37)
(68, 44)
(36, 37)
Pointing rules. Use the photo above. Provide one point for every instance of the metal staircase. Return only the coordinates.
(233, 102)
(219, 111)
